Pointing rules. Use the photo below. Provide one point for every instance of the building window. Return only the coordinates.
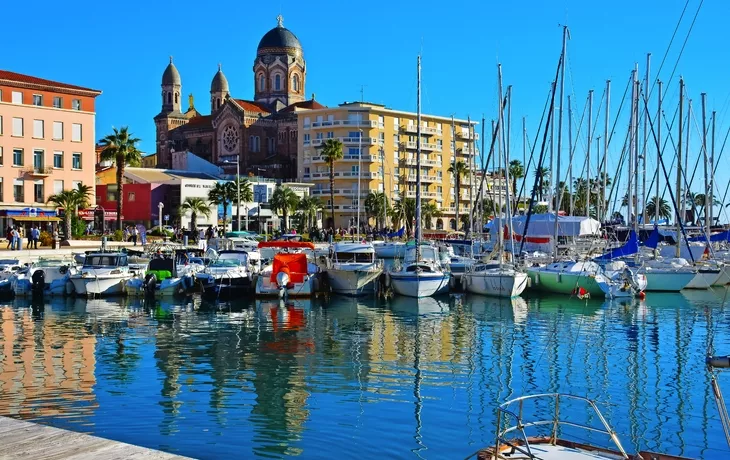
(262, 82)
(18, 191)
(250, 143)
(2, 195)
(76, 132)
(17, 157)
(352, 151)
(38, 160)
(277, 82)
(307, 122)
(330, 134)
(17, 97)
(38, 129)
(1, 125)
(57, 187)
(319, 135)
(131, 197)
(111, 192)
(76, 104)
(57, 130)
(355, 170)
(1, 157)
(58, 159)
(38, 194)
(76, 160)
(306, 138)
(18, 127)
(295, 82)
(57, 102)
(257, 144)
(37, 99)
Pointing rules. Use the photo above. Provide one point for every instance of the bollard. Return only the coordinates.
(103, 243)
(185, 241)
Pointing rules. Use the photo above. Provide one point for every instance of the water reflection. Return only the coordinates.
(396, 378)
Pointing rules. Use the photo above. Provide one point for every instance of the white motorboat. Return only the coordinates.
(103, 273)
(664, 277)
(8, 267)
(389, 249)
(160, 279)
(420, 276)
(458, 264)
(494, 279)
(230, 275)
(46, 276)
(354, 269)
(291, 273)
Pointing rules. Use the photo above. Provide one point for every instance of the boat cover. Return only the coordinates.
(715, 237)
(631, 246)
(293, 264)
(544, 225)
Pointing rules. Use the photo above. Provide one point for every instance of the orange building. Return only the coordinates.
(47, 138)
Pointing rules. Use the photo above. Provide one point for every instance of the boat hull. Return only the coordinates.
(563, 282)
(667, 281)
(266, 288)
(353, 282)
(724, 278)
(96, 286)
(704, 279)
(504, 283)
(418, 285)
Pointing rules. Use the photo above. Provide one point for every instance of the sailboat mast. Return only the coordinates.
(508, 210)
(481, 197)
(711, 196)
(657, 204)
(470, 161)
(560, 138)
(499, 155)
(637, 84)
(570, 154)
(385, 194)
(707, 204)
(629, 194)
(418, 162)
(605, 152)
(686, 185)
(588, 153)
(677, 224)
(646, 139)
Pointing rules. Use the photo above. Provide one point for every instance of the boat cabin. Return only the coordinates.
(362, 253)
(106, 259)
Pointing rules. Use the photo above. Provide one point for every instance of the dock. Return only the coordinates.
(20, 439)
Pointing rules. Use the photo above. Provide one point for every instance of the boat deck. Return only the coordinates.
(19, 439)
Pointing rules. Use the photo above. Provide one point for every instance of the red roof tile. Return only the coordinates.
(199, 121)
(251, 106)
(308, 105)
(29, 80)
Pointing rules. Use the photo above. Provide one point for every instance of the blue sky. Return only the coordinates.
(349, 44)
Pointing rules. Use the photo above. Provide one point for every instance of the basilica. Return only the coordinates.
(260, 134)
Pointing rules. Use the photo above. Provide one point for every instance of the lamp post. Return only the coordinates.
(257, 197)
(160, 205)
(238, 191)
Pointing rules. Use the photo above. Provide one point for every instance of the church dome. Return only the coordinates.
(171, 76)
(279, 37)
(219, 83)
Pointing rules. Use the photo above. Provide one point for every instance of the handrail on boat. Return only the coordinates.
(505, 413)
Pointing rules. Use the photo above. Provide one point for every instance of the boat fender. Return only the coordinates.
(718, 361)
(559, 277)
(537, 279)
(386, 280)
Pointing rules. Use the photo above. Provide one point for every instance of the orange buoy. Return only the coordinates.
(642, 295)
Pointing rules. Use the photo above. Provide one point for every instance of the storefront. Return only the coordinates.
(28, 217)
(101, 219)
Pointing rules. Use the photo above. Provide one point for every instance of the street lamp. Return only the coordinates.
(238, 190)
(160, 205)
(257, 197)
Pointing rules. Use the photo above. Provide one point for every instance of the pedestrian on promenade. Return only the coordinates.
(135, 232)
(9, 236)
(35, 233)
(16, 240)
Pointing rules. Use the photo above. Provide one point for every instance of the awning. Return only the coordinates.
(36, 219)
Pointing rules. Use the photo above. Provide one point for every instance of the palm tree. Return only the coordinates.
(120, 147)
(85, 193)
(458, 169)
(664, 209)
(68, 200)
(331, 152)
(516, 171)
(195, 206)
(309, 206)
(409, 209)
(543, 184)
(429, 211)
(376, 204)
(397, 213)
(285, 200)
(223, 193)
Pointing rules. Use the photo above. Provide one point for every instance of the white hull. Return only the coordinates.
(667, 280)
(353, 281)
(266, 288)
(704, 279)
(93, 286)
(413, 284)
(168, 288)
(496, 282)
(724, 278)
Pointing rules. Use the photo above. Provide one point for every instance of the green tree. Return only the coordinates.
(223, 193)
(409, 210)
(376, 205)
(331, 151)
(309, 206)
(397, 213)
(284, 200)
(458, 170)
(68, 200)
(428, 212)
(664, 209)
(516, 171)
(196, 206)
(121, 148)
(543, 184)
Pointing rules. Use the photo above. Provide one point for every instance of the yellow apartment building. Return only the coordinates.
(379, 146)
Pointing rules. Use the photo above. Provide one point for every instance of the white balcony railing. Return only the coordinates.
(356, 123)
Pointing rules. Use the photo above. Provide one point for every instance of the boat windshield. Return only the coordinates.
(355, 257)
(105, 260)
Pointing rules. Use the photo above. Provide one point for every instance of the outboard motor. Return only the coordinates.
(282, 282)
(38, 282)
(150, 283)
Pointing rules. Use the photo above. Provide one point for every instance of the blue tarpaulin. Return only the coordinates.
(715, 237)
(630, 247)
(653, 240)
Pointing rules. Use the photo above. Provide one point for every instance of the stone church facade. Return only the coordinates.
(261, 134)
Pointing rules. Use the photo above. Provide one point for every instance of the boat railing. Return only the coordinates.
(506, 413)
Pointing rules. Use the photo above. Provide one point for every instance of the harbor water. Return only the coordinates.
(344, 377)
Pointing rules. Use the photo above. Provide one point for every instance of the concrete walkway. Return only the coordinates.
(19, 439)
(79, 246)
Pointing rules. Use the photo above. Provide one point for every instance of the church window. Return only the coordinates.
(277, 82)
(176, 96)
(169, 98)
(251, 143)
(262, 82)
(295, 82)
(257, 144)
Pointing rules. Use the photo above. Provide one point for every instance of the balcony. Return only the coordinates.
(425, 130)
(424, 178)
(465, 135)
(350, 141)
(429, 195)
(424, 146)
(355, 175)
(42, 171)
(364, 158)
(432, 163)
(339, 192)
(354, 123)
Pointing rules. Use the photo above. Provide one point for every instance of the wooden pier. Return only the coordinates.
(19, 439)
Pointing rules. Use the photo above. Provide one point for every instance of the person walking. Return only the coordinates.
(16, 240)
(142, 234)
(36, 236)
(9, 236)
(135, 233)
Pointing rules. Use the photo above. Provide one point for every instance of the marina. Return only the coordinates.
(289, 377)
